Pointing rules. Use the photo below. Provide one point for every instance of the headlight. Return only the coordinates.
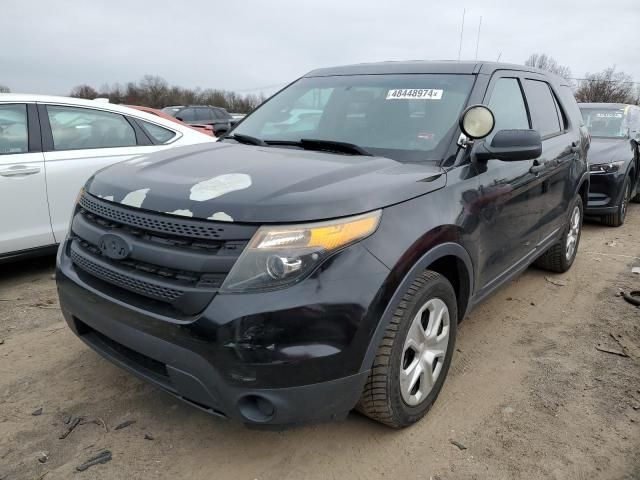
(606, 167)
(279, 256)
(74, 210)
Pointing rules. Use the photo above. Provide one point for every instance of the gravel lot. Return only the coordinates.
(529, 395)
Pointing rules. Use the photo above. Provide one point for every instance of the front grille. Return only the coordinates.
(150, 222)
(179, 263)
(125, 281)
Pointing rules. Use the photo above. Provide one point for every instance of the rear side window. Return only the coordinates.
(222, 114)
(156, 132)
(76, 128)
(13, 129)
(204, 115)
(507, 105)
(544, 114)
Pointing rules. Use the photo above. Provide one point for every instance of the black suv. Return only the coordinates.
(290, 274)
(217, 117)
(614, 159)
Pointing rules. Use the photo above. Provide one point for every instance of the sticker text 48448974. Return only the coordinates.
(414, 94)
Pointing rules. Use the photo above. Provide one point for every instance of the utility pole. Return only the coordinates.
(478, 40)
(464, 10)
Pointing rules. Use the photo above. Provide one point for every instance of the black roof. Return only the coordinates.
(422, 66)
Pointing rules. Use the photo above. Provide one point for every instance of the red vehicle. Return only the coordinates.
(206, 129)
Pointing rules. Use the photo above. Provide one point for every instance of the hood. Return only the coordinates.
(605, 150)
(252, 184)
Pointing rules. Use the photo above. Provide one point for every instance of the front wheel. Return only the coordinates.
(414, 356)
(560, 256)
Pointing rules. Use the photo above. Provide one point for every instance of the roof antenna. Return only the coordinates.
(478, 40)
(464, 10)
(499, 57)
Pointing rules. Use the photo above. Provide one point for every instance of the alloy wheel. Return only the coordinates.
(424, 351)
(574, 232)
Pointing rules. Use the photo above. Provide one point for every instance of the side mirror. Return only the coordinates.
(179, 118)
(510, 145)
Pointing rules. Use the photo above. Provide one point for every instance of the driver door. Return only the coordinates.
(510, 191)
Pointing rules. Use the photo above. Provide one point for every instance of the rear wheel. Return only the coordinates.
(560, 256)
(617, 219)
(414, 356)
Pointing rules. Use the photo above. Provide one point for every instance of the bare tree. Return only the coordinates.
(4, 89)
(607, 86)
(84, 91)
(549, 64)
(154, 91)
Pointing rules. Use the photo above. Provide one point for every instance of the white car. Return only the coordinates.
(50, 146)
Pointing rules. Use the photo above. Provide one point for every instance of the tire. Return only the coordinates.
(558, 258)
(385, 397)
(617, 219)
(636, 199)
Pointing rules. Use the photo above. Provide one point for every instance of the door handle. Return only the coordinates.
(19, 171)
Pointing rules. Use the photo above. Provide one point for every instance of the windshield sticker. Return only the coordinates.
(609, 115)
(414, 94)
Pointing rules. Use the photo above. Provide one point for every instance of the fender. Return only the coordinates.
(439, 251)
(584, 178)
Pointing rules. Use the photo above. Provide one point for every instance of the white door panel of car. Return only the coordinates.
(67, 171)
(24, 213)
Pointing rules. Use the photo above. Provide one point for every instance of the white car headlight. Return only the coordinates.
(279, 256)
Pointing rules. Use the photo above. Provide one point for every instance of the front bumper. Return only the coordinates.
(605, 193)
(278, 358)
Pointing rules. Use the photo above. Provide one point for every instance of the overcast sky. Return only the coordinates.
(49, 46)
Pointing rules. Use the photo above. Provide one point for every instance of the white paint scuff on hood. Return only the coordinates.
(135, 198)
(218, 186)
(182, 213)
(221, 217)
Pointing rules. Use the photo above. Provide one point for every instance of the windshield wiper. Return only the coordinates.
(323, 145)
(246, 139)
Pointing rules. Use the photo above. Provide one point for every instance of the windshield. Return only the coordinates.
(605, 122)
(405, 117)
(171, 110)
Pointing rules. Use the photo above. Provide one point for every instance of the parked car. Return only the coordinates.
(614, 159)
(206, 129)
(284, 278)
(217, 117)
(50, 146)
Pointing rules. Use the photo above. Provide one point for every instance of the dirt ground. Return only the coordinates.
(529, 395)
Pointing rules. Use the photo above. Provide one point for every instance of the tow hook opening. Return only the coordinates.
(256, 408)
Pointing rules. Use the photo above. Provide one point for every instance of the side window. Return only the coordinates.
(544, 114)
(187, 115)
(76, 128)
(507, 105)
(156, 132)
(204, 114)
(13, 129)
(219, 114)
